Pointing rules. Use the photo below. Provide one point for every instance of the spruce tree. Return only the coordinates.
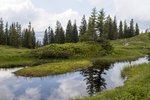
(109, 28)
(45, 39)
(100, 23)
(33, 38)
(115, 29)
(83, 26)
(62, 36)
(28, 37)
(125, 30)
(121, 35)
(91, 31)
(131, 29)
(6, 34)
(51, 36)
(69, 32)
(14, 36)
(59, 34)
(18, 35)
(137, 31)
(2, 35)
(75, 37)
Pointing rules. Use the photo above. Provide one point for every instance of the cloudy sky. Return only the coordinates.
(44, 13)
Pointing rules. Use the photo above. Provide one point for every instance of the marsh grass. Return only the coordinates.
(59, 67)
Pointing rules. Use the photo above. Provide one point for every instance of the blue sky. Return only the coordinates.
(44, 13)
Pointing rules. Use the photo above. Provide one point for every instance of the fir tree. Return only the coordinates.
(109, 28)
(33, 38)
(2, 35)
(115, 29)
(125, 30)
(100, 22)
(75, 37)
(69, 32)
(137, 31)
(91, 32)
(59, 37)
(131, 29)
(51, 35)
(83, 26)
(6, 34)
(45, 40)
(14, 36)
(121, 35)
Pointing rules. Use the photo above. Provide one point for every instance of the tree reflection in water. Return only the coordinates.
(94, 80)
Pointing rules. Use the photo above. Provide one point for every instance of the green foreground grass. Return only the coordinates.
(137, 86)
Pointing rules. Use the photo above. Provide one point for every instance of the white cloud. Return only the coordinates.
(6, 93)
(126, 9)
(24, 11)
(30, 94)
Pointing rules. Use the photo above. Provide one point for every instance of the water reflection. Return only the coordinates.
(94, 80)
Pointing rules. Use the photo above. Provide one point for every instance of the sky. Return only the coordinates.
(44, 13)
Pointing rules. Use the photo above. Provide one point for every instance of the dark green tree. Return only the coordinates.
(14, 37)
(2, 35)
(75, 37)
(121, 35)
(131, 29)
(100, 22)
(115, 29)
(83, 27)
(69, 29)
(28, 37)
(125, 32)
(6, 34)
(91, 31)
(18, 35)
(33, 38)
(137, 31)
(59, 37)
(51, 35)
(110, 28)
(45, 39)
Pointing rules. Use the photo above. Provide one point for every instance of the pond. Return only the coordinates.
(81, 83)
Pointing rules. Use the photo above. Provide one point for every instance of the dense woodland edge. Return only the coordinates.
(99, 28)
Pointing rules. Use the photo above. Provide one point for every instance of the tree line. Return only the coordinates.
(14, 36)
(99, 26)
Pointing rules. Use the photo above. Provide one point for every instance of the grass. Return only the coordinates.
(137, 86)
(68, 65)
(13, 57)
(54, 68)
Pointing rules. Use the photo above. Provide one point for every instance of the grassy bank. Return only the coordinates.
(68, 65)
(59, 67)
(12, 57)
(136, 87)
(87, 53)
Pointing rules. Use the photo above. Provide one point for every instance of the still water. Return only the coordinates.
(86, 82)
